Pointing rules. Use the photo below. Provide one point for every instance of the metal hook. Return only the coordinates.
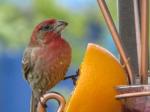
(49, 96)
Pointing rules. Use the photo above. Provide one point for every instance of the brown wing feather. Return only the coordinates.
(26, 63)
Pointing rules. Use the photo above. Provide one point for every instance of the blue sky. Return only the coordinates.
(78, 5)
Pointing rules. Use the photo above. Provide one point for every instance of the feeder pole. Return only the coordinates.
(128, 33)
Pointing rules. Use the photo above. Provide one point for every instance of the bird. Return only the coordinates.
(46, 58)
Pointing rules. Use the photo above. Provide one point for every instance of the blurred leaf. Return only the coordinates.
(17, 22)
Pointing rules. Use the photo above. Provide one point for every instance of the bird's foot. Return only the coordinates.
(73, 77)
(43, 104)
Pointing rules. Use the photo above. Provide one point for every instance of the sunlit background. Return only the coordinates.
(17, 20)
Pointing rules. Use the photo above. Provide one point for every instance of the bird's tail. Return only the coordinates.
(33, 104)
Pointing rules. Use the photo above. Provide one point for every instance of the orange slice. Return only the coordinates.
(100, 73)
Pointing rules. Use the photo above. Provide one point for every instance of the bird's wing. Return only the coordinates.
(26, 62)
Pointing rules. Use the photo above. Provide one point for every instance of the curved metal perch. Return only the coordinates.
(49, 96)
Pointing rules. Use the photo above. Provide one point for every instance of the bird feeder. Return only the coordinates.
(107, 84)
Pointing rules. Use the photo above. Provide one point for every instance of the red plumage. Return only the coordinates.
(46, 59)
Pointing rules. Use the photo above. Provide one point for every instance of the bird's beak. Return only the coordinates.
(60, 26)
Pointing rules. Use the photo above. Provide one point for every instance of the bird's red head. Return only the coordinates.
(46, 31)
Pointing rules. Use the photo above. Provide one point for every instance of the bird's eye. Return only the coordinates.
(47, 27)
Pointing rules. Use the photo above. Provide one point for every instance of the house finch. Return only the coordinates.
(46, 59)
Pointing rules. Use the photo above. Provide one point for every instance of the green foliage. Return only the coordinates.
(14, 26)
(18, 21)
(49, 9)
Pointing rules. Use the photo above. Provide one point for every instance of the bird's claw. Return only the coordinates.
(73, 77)
(43, 104)
(74, 80)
